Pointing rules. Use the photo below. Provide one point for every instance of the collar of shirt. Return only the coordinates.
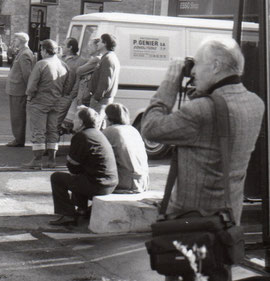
(70, 57)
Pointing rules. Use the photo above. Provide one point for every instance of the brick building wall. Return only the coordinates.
(19, 17)
(58, 17)
(148, 7)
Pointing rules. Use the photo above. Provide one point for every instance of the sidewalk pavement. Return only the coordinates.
(12, 158)
(26, 203)
(26, 192)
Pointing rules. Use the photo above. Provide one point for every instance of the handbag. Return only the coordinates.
(223, 239)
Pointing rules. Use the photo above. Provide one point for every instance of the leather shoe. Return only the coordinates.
(64, 220)
(14, 144)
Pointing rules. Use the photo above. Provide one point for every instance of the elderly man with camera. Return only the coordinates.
(218, 66)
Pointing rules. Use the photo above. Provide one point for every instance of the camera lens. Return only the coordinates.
(189, 63)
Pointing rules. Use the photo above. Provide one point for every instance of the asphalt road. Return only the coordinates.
(55, 257)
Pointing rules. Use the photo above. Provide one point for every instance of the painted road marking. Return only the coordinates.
(118, 254)
(63, 236)
(25, 266)
(36, 261)
(45, 263)
(17, 238)
(36, 264)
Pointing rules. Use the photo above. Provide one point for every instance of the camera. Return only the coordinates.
(188, 65)
(186, 72)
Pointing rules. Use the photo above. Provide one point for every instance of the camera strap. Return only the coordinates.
(190, 91)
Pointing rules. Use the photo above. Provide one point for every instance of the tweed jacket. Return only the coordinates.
(192, 129)
(19, 73)
(104, 80)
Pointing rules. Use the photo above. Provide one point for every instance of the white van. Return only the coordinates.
(145, 45)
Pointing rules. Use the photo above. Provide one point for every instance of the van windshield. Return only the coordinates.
(76, 31)
(90, 33)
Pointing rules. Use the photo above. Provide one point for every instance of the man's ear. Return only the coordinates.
(217, 65)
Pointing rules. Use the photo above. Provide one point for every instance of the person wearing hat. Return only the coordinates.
(47, 83)
(103, 84)
(16, 86)
(129, 150)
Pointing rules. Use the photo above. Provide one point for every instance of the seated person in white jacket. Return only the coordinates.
(129, 150)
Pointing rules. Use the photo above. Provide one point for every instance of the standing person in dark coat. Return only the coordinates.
(16, 87)
(73, 61)
(104, 81)
(218, 66)
(92, 168)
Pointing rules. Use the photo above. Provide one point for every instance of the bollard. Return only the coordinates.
(1, 56)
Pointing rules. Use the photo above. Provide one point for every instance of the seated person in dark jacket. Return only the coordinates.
(92, 168)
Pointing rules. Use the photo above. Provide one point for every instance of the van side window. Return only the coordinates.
(76, 31)
(90, 32)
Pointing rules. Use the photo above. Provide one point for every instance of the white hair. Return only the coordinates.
(226, 51)
(22, 36)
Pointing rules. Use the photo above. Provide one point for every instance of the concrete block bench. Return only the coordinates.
(122, 213)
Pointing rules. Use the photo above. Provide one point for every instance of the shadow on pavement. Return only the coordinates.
(40, 223)
(13, 157)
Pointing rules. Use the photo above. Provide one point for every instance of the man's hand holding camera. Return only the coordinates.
(174, 70)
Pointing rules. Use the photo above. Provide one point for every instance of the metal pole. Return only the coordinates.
(264, 89)
(238, 17)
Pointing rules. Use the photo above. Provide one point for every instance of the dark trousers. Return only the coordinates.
(17, 107)
(81, 190)
(63, 107)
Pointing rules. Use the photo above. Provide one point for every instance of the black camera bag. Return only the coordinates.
(223, 239)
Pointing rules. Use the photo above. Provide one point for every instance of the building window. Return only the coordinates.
(88, 7)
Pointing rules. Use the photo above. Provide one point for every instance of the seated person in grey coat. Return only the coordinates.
(129, 150)
(92, 169)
